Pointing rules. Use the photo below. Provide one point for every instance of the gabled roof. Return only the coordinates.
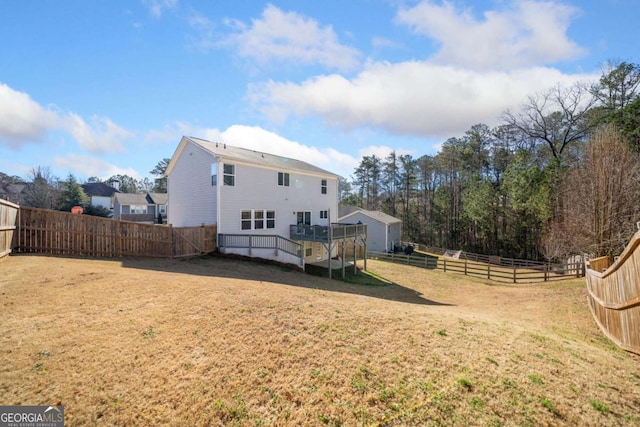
(12, 188)
(158, 198)
(377, 215)
(98, 189)
(131, 198)
(258, 158)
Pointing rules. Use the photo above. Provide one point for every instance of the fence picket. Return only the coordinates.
(63, 233)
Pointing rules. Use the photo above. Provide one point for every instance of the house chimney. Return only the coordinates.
(115, 184)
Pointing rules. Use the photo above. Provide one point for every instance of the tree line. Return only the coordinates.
(558, 177)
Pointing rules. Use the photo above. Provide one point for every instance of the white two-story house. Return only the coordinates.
(263, 205)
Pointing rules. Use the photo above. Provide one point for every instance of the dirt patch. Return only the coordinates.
(225, 342)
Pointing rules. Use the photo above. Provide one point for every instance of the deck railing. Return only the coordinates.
(321, 233)
(260, 241)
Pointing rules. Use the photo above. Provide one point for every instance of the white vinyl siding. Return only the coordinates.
(255, 187)
(192, 199)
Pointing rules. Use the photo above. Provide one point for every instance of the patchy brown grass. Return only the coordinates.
(224, 342)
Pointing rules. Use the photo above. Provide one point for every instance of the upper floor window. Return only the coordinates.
(324, 214)
(323, 186)
(229, 172)
(283, 179)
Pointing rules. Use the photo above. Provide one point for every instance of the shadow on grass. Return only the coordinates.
(235, 267)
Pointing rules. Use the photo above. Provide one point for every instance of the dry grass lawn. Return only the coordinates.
(214, 341)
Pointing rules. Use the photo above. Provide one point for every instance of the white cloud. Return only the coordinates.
(22, 119)
(88, 166)
(158, 7)
(382, 151)
(259, 139)
(101, 136)
(409, 98)
(289, 37)
(524, 33)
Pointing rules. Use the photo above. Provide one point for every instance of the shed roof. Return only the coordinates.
(377, 215)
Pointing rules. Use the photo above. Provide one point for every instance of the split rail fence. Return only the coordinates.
(62, 233)
(513, 271)
(614, 295)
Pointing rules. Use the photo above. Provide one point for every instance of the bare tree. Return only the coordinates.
(42, 191)
(602, 196)
(557, 118)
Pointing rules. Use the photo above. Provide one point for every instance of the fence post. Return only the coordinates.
(203, 235)
(514, 273)
(172, 248)
(489, 271)
(546, 272)
(465, 266)
(445, 264)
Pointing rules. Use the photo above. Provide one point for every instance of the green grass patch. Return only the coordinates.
(599, 406)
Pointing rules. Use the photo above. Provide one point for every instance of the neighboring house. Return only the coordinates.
(100, 194)
(12, 192)
(251, 193)
(383, 231)
(140, 207)
(159, 200)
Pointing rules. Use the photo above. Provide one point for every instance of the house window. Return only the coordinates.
(283, 179)
(303, 217)
(163, 209)
(214, 174)
(245, 220)
(271, 219)
(229, 172)
(257, 219)
(323, 186)
(308, 251)
(258, 222)
(138, 209)
(324, 214)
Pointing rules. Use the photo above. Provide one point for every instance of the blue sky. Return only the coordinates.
(98, 88)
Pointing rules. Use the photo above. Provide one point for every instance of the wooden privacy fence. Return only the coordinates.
(8, 215)
(614, 295)
(63, 233)
(500, 273)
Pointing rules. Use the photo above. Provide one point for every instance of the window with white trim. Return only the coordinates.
(283, 179)
(257, 219)
(229, 174)
(324, 214)
(323, 186)
(138, 209)
(245, 220)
